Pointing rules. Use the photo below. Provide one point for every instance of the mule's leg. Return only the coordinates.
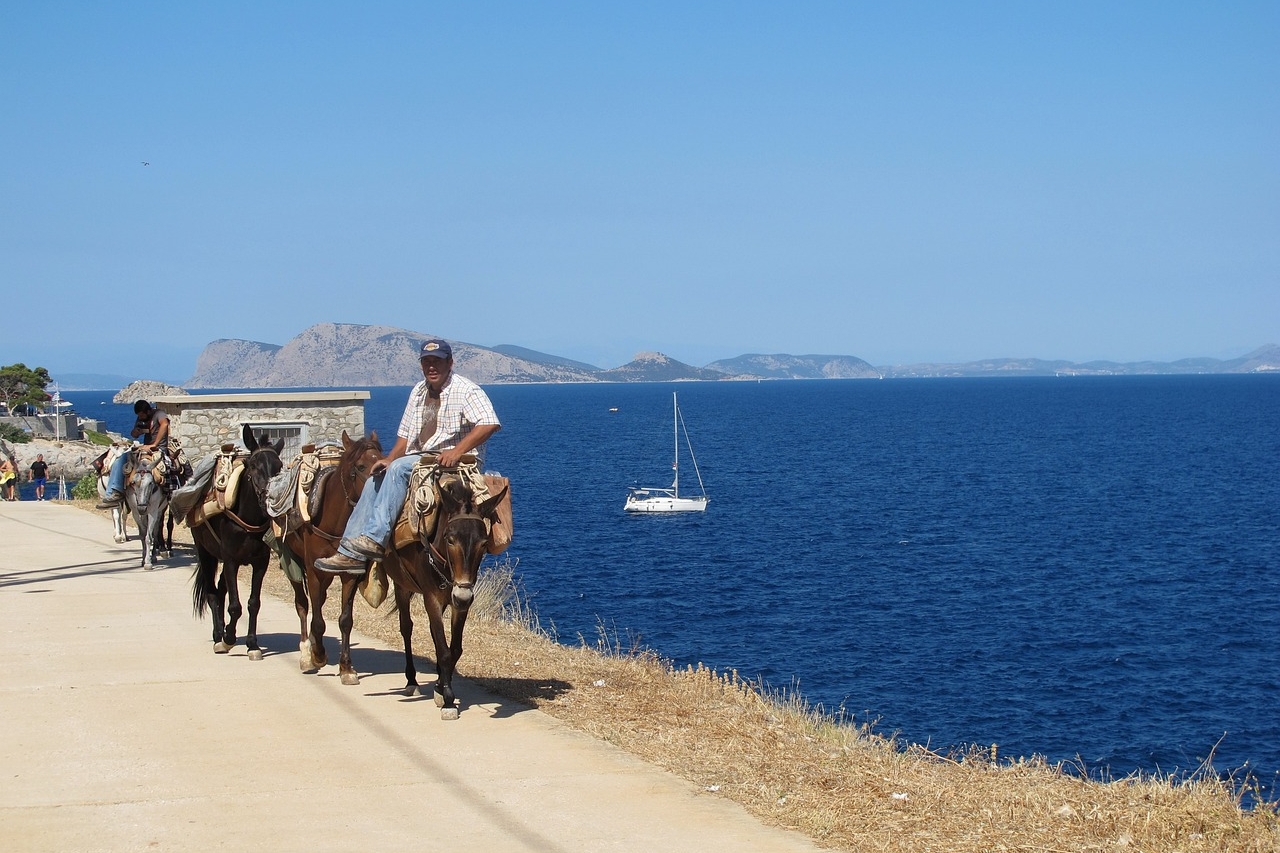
(403, 599)
(318, 586)
(255, 600)
(153, 540)
(350, 583)
(144, 536)
(445, 700)
(457, 621)
(207, 590)
(305, 663)
(217, 610)
(230, 571)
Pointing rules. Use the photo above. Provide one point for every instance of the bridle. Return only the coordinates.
(153, 470)
(437, 561)
(259, 493)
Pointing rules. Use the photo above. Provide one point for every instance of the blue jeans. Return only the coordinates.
(115, 481)
(380, 504)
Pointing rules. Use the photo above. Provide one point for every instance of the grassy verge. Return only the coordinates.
(840, 783)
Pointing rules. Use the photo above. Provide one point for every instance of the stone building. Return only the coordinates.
(205, 422)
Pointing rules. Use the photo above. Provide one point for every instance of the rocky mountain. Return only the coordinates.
(145, 389)
(1262, 360)
(330, 355)
(656, 367)
(796, 367)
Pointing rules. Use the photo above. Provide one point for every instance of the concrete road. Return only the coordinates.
(123, 732)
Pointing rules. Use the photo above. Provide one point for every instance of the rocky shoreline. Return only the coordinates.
(73, 459)
(70, 460)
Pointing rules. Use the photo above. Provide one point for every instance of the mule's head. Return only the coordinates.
(145, 476)
(263, 463)
(462, 535)
(357, 462)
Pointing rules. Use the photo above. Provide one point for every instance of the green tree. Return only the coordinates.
(20, 385)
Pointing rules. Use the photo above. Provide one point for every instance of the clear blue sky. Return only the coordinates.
(900, 182)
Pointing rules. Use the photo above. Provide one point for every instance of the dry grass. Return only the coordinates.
(839, 783)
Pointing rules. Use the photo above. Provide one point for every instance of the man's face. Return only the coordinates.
(436, 370)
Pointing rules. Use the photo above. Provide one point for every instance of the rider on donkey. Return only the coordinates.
(152, 425)
(446, 414)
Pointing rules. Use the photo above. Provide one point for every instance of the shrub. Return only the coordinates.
(99, 438)
(86, 489)
(13, 434)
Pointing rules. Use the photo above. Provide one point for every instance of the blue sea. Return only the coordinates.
(1084, 568)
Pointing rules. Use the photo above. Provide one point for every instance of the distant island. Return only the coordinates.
(331, 355)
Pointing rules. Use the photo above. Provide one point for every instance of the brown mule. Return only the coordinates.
(442, 568)
(318, 539)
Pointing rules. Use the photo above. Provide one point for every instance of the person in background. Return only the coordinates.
(152, 429)
(39, 475)
(8, 478)
(446, 414)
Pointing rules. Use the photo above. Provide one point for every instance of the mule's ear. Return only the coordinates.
(448, 488)
(278, 447)
(247, 436)
(346, 440)
(490, 506)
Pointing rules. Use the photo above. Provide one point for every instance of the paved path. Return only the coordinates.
(124, 732)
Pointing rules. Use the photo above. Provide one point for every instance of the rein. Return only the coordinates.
(262, 502)
(347, 478)
(436, 560)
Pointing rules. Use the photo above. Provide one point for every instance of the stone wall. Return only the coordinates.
(205, 422)
(46, 426)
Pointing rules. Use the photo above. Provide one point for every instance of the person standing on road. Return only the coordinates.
(39, 475)
(446, 414)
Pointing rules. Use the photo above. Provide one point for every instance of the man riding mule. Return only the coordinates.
(447, 415)
(152, 427)
(436, 551)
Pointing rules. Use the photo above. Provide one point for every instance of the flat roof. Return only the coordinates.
(264, 397)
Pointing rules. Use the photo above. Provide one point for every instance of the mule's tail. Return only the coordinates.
(202, 585)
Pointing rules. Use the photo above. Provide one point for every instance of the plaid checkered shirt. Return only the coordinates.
(463, 407)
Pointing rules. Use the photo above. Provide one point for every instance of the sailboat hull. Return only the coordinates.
(663, 503)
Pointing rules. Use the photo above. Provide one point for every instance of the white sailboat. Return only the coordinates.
(670, 500)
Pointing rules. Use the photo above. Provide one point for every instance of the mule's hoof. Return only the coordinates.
(449, 713)
(350, 678)
(411, 690)
(220, 648)
(148, 568)
(255, 654)
(439, 698)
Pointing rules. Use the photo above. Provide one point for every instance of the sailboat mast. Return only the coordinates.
(675, 431)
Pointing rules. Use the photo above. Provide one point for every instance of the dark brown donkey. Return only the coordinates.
(233, 538)
(442, 569)
(318, 539)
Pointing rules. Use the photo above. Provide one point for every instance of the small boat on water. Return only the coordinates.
(670, 500)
